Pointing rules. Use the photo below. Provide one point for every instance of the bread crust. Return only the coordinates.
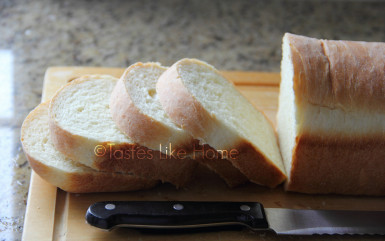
(222, 167)
(344, 165)
(82, 182)
(89, 181)
(187, 112)
(338, 74)
(181, 106)
(348, 78)
(357, 73)
(311, 79)
(118, 157)
(145, 162)
(256, 166)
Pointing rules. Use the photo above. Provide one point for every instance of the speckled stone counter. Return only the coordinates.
(234, 35)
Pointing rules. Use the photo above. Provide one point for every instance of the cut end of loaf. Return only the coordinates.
(286, 116)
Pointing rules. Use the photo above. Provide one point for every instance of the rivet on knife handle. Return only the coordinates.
(175, 215)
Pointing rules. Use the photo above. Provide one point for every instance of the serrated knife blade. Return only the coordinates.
(169, 215)
(307, 222)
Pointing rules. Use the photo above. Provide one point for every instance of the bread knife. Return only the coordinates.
(168, 215)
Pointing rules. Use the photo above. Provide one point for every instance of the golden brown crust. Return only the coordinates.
(145, 162)
(338, 74)
(257, 167)
(89, 181)
(223, 167)
(344, 165)
(311, 68)
(357, 74)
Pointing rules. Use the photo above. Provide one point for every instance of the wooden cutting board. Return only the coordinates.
(53, 214)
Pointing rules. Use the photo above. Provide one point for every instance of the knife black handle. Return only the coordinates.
(168, 215)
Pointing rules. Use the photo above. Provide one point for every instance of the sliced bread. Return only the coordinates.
(82, 128)
(201, 101)
(331, 116)
(61, 171)
(137, 112)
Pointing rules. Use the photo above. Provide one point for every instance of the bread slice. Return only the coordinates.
(331, 116)
(137, 112)
(61, 171)
(82, 128)
(200, 100)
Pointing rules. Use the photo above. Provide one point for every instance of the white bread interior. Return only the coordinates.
(286, 115)
(137, 112)
(82, 128)
(59, 170)
(200, 100)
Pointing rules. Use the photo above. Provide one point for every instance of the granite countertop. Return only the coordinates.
(234, 35)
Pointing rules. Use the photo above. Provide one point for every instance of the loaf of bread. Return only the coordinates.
(61, 171)
(201, 101)
(82, 128)
(331, 117)
(137, 112)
